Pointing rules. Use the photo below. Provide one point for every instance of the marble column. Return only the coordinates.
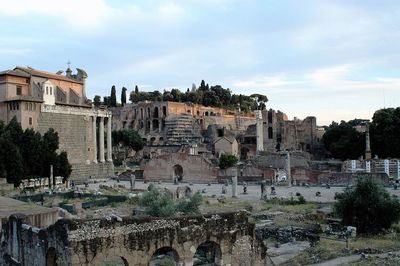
(94, 132)
(259, 131)
(101, 139)
(109, 144)
(234, 185)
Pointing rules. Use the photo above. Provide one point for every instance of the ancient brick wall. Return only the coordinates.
(195, 168)
(75, 137)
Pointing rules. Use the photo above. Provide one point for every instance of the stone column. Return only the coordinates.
(288, 170)
(398, 169)
(259, 132)
(234, 185)
(101, 139)
(109, 144)
(367, 145)
(159, 125)
(94, 132)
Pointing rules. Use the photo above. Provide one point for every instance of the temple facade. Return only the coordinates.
(41, 100)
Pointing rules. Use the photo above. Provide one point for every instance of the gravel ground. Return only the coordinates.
(253, 191)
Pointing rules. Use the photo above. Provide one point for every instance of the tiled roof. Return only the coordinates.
(45, 74)
(15, 72)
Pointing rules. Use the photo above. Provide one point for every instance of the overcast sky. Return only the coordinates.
(336, 60)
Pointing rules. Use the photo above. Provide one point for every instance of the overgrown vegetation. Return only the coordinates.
(128, 139)
(159, 203)
(367, 206)
(227, 160)
(345, 142)
(27, 154)
(215, 96)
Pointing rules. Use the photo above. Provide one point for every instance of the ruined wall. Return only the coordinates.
(89, 242)
(137, 240)
(195, 168)
(26, 245)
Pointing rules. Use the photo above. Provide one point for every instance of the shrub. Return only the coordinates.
(227, 160)
(159, 203)
(367, 206)
(190, 205)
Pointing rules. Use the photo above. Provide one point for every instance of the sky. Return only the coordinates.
(336, 60)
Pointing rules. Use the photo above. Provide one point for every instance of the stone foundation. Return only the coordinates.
(84, 172)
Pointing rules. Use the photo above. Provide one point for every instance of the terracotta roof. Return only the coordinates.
(15, 72)
(40, 73)
(229, 139)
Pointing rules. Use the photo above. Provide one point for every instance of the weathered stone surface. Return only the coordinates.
(89, 242)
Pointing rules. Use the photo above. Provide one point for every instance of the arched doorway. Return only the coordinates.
(178, 171)
(51, 257)
(164, 256)
(155, 112)
(114, 261)
(208, 253)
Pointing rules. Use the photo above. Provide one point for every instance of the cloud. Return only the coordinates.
(81, 14)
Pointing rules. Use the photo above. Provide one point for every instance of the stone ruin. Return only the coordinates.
(134, 240)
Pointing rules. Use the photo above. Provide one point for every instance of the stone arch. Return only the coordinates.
(141, 124)
(156, 124)
(308, 147)
(206, 113)
(270, 117)
(51, 257)
(178, 172)
(163, 254)
(155, 112)
(148, 125)
(270, 133)
(148, 112)
(114, 260)
(164, 111)
(244, 151)
(207, 253)
(141, 113)
(152, 140)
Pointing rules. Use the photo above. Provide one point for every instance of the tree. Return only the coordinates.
(11, 159)
(159, 203)
(129, 139)
(123, 96)
(227, 160)
(107, 101)
(385, 132)
(136, 89)
(113, 97)
(97, 100)
(63, 167)
(344, 142)
(367, 206)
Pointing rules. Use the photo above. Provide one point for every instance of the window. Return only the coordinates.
(30, 106)
(26, 106)
(47, 90)
(51, 90)
(19, 90)
(27, 80)
(30, 121)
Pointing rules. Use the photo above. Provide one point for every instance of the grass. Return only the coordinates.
(373, 260)
(328, 249)
(305, 208)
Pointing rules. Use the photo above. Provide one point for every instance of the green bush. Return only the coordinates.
(190, 205)
(367, 206)
(159, 203)
(227, 160)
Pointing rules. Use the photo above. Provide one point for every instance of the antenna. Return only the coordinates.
(69, 63)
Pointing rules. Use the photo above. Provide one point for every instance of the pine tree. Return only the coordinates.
(113, 97)
(123, 96)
